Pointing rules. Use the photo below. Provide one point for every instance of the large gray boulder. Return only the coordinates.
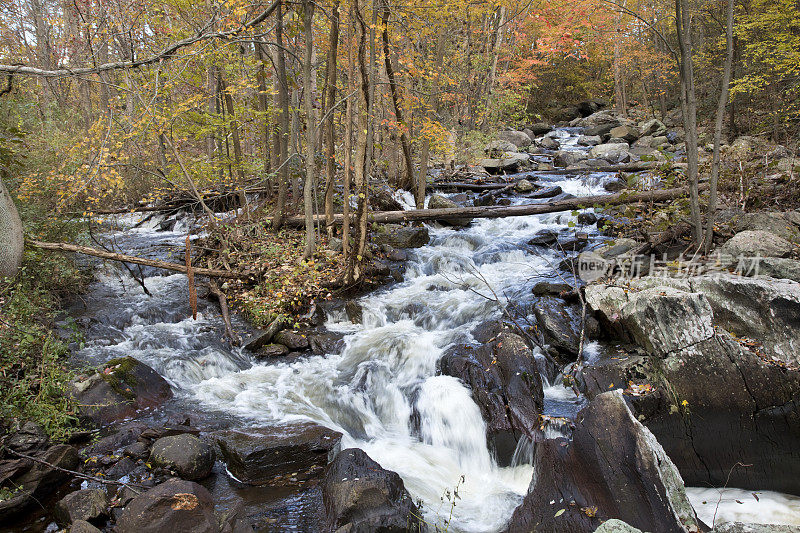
(611, 152)
(174, 505)
(628, 133)
(613, 468)
(517, 138)
(785, 225)
(567, 158)
(362, 497)
(87, 504)
(652, 127)
(257, 456)
(398, 236)
(498, 148)
(757, 243)
(589, 140)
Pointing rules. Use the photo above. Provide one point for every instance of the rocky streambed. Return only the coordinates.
(439, 401)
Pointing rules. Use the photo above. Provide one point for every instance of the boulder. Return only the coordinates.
(757, 243)
(87, 504)
(381, 198)
(548, 143)
(517, 138)
(257, 456)
(613, 468)
(778, 268)
(501, 371)
(362, 497)
(627, 133)
(326, 342)
(598, 119)
(272, 350)
(652, 127)
(539, 128)
(566, 158)
(398, 236)
(184, 454)
(615, 185)
(738, 527)
(611, 152)
(784, 225)
(82, 526)
(547, 192)
(550, 288)
(264, 336)
(175, 505)
(616, 526)
(291, 339)
(524, 186)
(718, 400)
(120, 389)
(30, 437)
(559, 323)
(742, 148)
(437, 201)
(589, 140)
(498, 148)
(544, 238)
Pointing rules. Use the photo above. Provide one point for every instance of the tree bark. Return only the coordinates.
(281, 146)
(329, 130)
(311, 139)
(723, 100)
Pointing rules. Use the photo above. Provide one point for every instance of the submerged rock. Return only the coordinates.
(398, 236)
(257, 456)
(123, 387)
(362, 497)
(613, 468)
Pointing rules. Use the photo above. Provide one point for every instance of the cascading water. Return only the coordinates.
(383, 380)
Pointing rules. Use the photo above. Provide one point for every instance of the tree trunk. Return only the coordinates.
(330, 98)
(281, 138)
(408, 182)
(11, 237)
(723, 100)
(348, 144)
(311, 139)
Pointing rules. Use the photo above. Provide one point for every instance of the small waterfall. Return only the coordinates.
(382, 391)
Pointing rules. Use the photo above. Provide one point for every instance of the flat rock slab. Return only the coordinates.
(257, 456)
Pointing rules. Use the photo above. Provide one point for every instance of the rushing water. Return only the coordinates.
(386, 375)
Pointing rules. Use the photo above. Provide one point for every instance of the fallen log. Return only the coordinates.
(464, 186)
(86, 250)
(420, 215)
(628, 167)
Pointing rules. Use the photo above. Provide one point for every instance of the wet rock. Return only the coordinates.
(272, 350)
(550, 288)
(35, 480)
(518, 138)
(291, 339)
(381, 198)
(398, 236)
(122, 468)
(257, 456)
(137, 450)
(187, 455)
(120, 389)
(82, 526)
(586, 219)
(613, 468)
(615, 185)
(544, 238)
(539, 128)
(264, 337)
(168, 224)
(326, 343)
(739, 527)
(548, 143)
(29, 438)
(566, 158)
(627, 133)
(505, 383)
(354, 311)
(362, 497)
(589, 140)
(117, 440)
(87, 504)
(484, 200)
(547, 192)
(524, 186)
(437, 201)
(559, 323)
(611, 152)
(175, 505)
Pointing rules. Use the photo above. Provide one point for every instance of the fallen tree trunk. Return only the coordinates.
(65, 247)
(419, 215)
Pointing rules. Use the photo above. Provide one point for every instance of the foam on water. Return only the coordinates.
(716, 506)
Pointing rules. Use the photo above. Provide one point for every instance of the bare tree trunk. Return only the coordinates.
(282, 129)
(263, 107)
(348, 145)
(311, 139)
(689, 110)
(498, 42)
(330, 97)
(408, 182)
(11, 237)
(723, 100)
